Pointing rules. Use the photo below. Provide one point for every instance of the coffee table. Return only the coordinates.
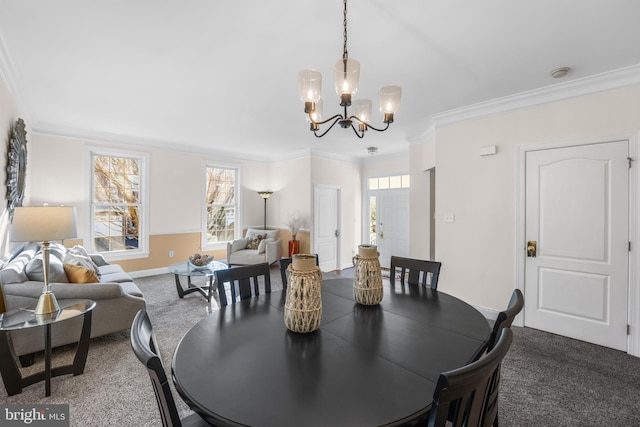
(186, 269)
(24, 318)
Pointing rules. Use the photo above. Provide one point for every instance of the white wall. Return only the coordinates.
(478, 251)
(9, 113)
(291, 182)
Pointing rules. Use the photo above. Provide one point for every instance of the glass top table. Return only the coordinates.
(189, 271)
(24, 318)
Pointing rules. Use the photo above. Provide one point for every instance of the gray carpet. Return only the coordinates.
(547, 380)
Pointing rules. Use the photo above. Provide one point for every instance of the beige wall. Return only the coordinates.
(478, 251)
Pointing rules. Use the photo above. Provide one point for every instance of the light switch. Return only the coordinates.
(449, 218)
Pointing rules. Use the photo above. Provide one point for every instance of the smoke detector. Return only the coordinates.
(558, 73)
(372, 150)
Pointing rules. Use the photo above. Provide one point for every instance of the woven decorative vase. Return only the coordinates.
(367, 283)
(303, 303)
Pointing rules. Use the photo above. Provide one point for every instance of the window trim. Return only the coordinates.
(206, 246)
(143, 243)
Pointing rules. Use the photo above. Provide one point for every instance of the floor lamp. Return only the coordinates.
(265, 195)
(44, 224)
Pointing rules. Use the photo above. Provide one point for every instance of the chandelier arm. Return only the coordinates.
(337, 118)
(360, 135)
(369, 126)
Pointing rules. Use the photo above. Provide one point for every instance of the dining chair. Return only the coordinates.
(505, 318)
(284, 264)
(246, 279)
(468, 396)
(418, 270)
(145, 347)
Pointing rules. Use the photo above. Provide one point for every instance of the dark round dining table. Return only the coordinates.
(364, 366)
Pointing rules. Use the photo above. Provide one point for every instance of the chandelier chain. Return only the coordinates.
(345, 54)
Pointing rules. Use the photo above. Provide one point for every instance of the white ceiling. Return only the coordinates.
(222, 75)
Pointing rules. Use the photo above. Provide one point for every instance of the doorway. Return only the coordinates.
(326, 226)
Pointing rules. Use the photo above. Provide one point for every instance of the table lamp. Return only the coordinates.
(43, 224)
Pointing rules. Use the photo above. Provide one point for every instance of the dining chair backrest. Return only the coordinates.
(243, 282)
(145, 347)
(284, 264)
(468, 396)
(505, 318)
(418, 270)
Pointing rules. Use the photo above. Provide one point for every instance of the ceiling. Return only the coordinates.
(218, 75)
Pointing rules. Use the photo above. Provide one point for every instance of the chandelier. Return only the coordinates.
(347, 75)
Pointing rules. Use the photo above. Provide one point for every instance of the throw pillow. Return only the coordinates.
(79, 274)
(35, 269)
(254, 240)
(263, 245)
(239, 244)
(79, 256)
(58, 250)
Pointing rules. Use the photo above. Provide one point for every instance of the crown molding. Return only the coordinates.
(610, 80)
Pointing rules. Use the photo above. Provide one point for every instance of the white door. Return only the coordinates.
(326, 226)
(577, 217)
(393, 224)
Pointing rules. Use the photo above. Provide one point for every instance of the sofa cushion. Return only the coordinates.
(110, 268)
(239, 244)
(263, 245)
(246, 256)
(79, 256)
(271, 234)
(80, 274)
(120, 277)
(14, 271)
(35, 269)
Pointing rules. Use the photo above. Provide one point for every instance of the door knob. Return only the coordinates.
(382, 234)
(531, 248)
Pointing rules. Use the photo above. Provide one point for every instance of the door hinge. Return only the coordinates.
(629, 159)
(629, 246)
(628, 329)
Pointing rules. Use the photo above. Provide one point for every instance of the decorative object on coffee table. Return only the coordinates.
(303, 303)
(367, 284)
(16, 167)
(43, 224)
(199, 261)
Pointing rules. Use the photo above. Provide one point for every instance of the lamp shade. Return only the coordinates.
(265, 194)
(362, 108)
(347, 76)
(390, 99)
(310, 85)
(43, 223)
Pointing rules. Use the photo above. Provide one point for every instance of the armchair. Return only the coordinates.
(256, 247)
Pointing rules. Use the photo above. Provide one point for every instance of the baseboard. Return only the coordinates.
(150, 272)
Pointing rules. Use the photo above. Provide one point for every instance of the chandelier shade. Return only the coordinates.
(346, 78)
(346, 73)
(310, 85)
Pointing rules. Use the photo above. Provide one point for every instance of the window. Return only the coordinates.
(387, 182)
(221, 205)
(118, 219)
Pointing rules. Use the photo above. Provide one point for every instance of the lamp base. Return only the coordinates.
(47, 303)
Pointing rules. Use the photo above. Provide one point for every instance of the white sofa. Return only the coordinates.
(256, 247)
